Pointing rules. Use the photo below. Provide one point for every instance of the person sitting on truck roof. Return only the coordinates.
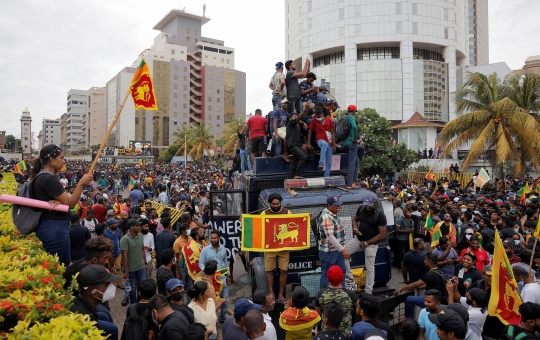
(323, 127)
(332, 240)
(369, 226)
(278, 259)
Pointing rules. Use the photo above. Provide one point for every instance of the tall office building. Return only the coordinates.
(63, 131)
(94, 118)
(478, 32)
(395, 56)
(50, 132)
(194, 81)
(116, 89)
(76, 107)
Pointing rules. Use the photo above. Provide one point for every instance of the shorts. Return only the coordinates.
(257, 144)
(278, 259)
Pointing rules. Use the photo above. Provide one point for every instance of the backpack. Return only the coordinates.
(511, 336)
(25, 218)
(343, 128)
(135, 326)
(314, 234)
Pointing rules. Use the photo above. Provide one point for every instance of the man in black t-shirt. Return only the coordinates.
(244, 155)
(146, 291)
(369, 226)
(77, 236)
(433, 279)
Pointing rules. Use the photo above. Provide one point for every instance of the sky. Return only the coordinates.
(50, 47)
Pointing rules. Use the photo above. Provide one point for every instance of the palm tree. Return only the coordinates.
(525, 92)
(230, 136)
(492, 122)
(181, 135)
(199, 139)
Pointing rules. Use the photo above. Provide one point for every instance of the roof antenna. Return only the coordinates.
(204, 10)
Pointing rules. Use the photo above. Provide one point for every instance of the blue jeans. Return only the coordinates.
(187, 281)
(277, 148)
(108, 328)
(244, 160)
(225, 306)
(328, 259)
(356, 153)
(135, 280)
(411, 303)
(54, 235)
(295, 105)
(326, 156)
(276, 101)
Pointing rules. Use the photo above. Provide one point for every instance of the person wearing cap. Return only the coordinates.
(353, 145)
(449, 325)
(369, 227)
(77, 236)
(277, 85)
(175, 294)
(360, 330)
(323, 128)
(233, 327)
(308, 90)
(171, 323)
(376, 334)
(509, 247)
(335, 293)
(279, 118)
(258, 128)
(332, 240)
(321, 95)
(95, 286)
(113, 233)
(368, 307)
(298, 320)
(293, 87)
(133, 258)
(332, 320)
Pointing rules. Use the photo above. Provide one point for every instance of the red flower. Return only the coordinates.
(6, 304)
(39, 306)
(30, 278)
(20, 284)
(13, 248)
(20, 315)
(16, 233)
(56, 306)
(45, 264)
(46, 280)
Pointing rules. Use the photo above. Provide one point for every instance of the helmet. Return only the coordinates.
(84, 198)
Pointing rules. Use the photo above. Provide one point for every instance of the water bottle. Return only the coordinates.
(128, 286)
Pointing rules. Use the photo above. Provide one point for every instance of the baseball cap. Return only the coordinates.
(335, 275)
(487, 269)
(242, 306)
(112, 221)
(173, 284)
(460, 310)
(93, 274)
(513, 211)
(132, 222)
(285, 100)
(360, 329)
(509, 243)
(449, 319)
(334, 200)
(463, 206)
(110, 212)
(376, 334)
(369, 200)
(279, 65)
(351, 108)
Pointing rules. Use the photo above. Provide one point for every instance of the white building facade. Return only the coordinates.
(51, 134)
(390, 55)
(76, 107)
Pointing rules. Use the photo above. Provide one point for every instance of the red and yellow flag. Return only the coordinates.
(275, 232)
(430, 175)
(505, 300)
(142, 88)
(192, 253)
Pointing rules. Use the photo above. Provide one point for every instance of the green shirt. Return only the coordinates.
(353, 134)
(134, 246)
(345, 298)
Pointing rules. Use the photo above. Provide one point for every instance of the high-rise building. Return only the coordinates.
(26, 134)
(63, 131)
(532, 65)
(50, 132)
(194, 81)
(76, 107)
(395, 56)
(478, 32)
(94, 118)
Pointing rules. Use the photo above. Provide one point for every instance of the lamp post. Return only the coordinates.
(185, 145)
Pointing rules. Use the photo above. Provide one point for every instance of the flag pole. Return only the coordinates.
(108, 132)
(533, 250)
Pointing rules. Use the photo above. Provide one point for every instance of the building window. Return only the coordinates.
(187, 30)
(176, 67)
(187, 39)
(185, 96)
(218, 91)
(209, 73)
(398, 8)
(185, 69)
(472, 58)
(209, 90)
(332, 58)
(209, 99)
(218, 109)
(185, 78)
(445, 33)
(377, 53)
(172, 51)
(175, 86)
(414, 9)
(185, 87)
(415, 28)
(228, 61)
(357, 11)
(222, 60)
(471, 36)
(398, 27)
(445, 14)
(309, 5)
(219, 74)
(471, 50)
(185, 115)
(342, 31)
(185, 106)
(310, 22)
(471, 21)
(176, 114)
(175, 95)
(176, 77)
(175, 105)
(196, 32)
(341, 13)
(218, 100)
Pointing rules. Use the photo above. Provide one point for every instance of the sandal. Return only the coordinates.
(353, 187)
(286, 158)
(297, 177)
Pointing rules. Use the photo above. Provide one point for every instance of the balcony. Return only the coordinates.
(194, 109)
(195, 100)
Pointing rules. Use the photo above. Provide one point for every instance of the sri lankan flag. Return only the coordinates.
(537, 230)
(523, 192)
(436, 234)
(430, 175)
(21, 166)
(131, 183)
(537, 185)
(275, 232)
(191, 254)
(142, 88)
(429, 222)
(505, 300)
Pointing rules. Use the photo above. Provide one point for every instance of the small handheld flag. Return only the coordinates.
(482, 178)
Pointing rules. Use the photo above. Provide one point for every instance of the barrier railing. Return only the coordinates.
(174, 213)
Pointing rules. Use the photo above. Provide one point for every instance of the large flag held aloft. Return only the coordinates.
(142, 88)
(482, 178)
(430, 175)
(131, 183)
(505, 300)
(277, 232)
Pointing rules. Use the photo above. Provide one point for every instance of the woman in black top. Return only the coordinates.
(53, 225)
(467, 270)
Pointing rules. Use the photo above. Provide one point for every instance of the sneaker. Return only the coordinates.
(125, 301)
(321, 167)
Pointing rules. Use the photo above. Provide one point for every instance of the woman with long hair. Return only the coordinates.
(203, 305)
(53, 225)
(466, 273)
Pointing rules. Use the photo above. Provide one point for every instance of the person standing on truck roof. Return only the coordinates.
(258, 127)
(355, 148)
(295, 143)
(278, 259)
(332, 240)
(369, 226)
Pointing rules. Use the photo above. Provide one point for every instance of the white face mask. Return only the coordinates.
(109, 293)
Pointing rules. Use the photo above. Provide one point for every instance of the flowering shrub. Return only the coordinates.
(32, 300)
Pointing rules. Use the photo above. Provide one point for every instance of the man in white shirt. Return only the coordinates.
(148, 244)
(64, 181)
(266, 300)
(530, 290)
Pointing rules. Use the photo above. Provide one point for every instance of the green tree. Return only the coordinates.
(525, 92)
(230, 136)
(167, 155)
(181, 137)
(493, 123)
(381, 157)
(199, 140)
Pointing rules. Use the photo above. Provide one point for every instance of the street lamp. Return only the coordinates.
(185, 144)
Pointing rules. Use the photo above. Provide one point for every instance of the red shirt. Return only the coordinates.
(100, 212)
(482, 257)
(256, 126)
(323, 132)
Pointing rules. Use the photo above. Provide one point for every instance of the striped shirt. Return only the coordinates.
(330, 225)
